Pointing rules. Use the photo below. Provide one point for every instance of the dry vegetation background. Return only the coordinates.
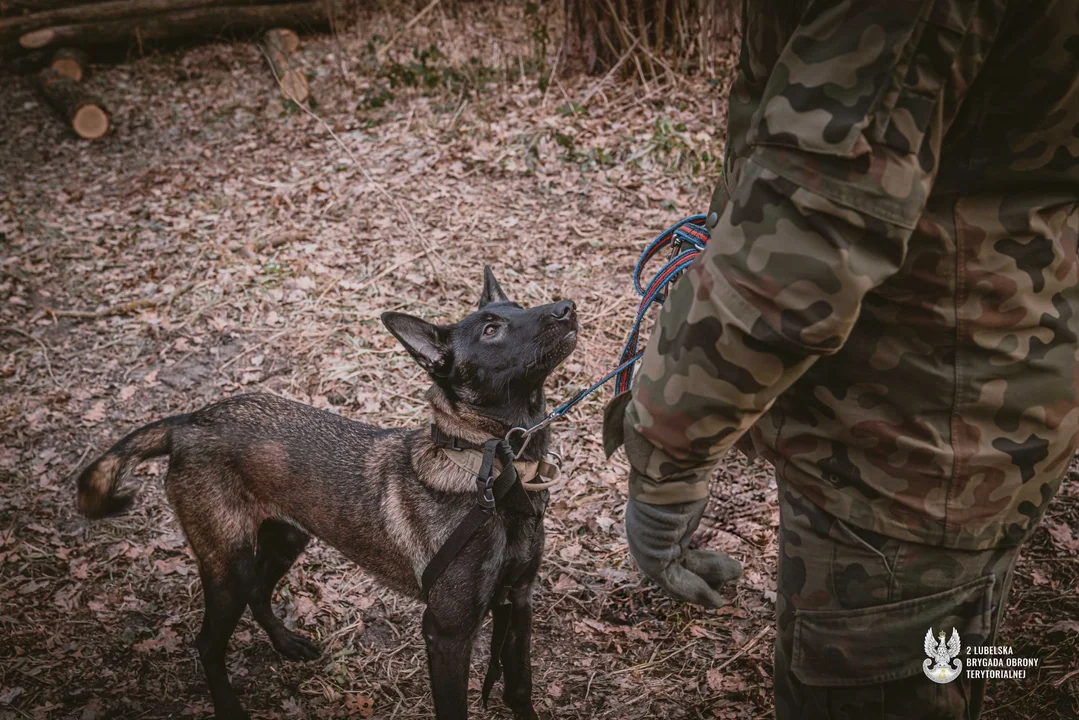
(220, 241)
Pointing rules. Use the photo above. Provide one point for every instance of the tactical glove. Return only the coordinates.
(659, 535)
(659, 538)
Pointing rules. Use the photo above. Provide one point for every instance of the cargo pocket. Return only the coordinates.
(848, 648)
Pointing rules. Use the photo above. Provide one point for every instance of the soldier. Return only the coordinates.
(888, 305)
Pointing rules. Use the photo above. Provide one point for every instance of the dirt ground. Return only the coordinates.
(220, 240)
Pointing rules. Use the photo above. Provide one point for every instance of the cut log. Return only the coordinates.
(199, 22)
(287, 37)
(11, 28)
(71, 63)
(84, 113)
(280, 44)
(37, 38)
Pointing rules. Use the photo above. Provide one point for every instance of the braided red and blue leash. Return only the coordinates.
(686, 239)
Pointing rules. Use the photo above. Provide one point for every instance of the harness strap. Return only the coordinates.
(500, 626)
(490, 489)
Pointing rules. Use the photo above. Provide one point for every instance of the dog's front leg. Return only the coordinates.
(517, 655)
(449, 637)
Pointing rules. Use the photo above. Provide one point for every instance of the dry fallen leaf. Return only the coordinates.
(95, 414)
(1066, 626)
(365, 706)
(1063, 535)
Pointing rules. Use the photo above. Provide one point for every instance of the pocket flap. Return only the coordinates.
(886, 642)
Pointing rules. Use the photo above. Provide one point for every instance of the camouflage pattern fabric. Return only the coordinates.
(889, 296)
(852, 611)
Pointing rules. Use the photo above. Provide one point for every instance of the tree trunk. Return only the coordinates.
(280, 44)
(71, 63)
(72, 14)
(657, 35)
(199, 22)
(84, 113)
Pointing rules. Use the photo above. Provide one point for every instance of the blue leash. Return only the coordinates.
(686, 239)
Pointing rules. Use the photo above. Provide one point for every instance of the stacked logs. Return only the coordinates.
(78, 23)
(63, 32)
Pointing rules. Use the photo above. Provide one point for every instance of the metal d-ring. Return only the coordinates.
(526, 437)
(557, 455)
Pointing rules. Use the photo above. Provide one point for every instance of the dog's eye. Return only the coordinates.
(490, 329)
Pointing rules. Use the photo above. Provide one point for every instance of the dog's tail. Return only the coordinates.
(100, 493)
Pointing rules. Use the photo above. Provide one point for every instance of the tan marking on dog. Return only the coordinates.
(149, 440)
(465, 425)
(266, 462)
(100, 481)
(399, 526)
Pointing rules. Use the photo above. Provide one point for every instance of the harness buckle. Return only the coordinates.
(485, 495)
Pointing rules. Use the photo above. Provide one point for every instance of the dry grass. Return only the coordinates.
(291, 252)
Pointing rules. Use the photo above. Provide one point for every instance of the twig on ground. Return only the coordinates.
(745, 648)
(408, 26)
(614, 68)
(653, 663)
(256, 346)
(122, 308)
(42, 345)
(554, 73)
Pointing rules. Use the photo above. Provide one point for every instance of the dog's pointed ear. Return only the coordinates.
(491, 290)
(427, 343)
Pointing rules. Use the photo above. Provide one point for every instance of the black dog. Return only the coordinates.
(252, 478)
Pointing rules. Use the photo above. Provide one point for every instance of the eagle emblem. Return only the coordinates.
(939, 667)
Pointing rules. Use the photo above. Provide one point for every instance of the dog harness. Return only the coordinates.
(469, 457)
(497, 475)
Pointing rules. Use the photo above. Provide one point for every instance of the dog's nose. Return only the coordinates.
(563, 310)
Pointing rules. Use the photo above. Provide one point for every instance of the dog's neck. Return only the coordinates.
(457, 421)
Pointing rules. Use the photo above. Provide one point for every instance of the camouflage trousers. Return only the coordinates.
(852, 611)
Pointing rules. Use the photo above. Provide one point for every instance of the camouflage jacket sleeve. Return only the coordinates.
(833, 172)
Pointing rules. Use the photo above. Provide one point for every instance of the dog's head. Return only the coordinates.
(494, 362)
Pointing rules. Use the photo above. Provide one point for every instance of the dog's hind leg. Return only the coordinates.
(279, 544)
(221, 533)
(226, 586)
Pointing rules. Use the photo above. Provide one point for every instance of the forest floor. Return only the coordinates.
(221, 240)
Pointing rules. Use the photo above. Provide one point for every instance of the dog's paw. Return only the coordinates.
(230, 709)
(296, 647)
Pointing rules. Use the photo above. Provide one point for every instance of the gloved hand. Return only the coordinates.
(659, 535)
(659, 538)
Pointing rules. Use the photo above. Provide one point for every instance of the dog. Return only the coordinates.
(252, 478)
